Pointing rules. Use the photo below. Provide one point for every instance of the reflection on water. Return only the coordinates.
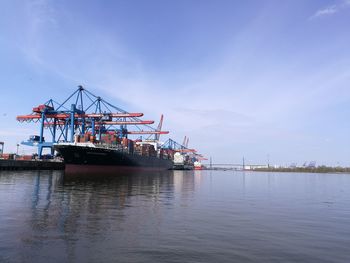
(174, 216)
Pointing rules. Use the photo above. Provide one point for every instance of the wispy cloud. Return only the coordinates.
(331, 10)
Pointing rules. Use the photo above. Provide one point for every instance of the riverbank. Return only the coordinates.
(319, 169)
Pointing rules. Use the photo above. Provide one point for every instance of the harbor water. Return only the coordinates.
(174, 216)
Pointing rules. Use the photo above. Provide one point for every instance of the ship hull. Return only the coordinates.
(183, 167)
(108, 169)
(91, 159)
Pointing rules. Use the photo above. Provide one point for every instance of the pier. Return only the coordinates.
(31, 165)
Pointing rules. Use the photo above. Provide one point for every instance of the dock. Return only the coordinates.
(30, 165)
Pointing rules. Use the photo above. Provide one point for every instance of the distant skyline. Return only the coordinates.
(239, 78)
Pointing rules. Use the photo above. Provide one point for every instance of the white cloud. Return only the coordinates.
(331, 10)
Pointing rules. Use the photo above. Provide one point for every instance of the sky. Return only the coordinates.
(260, 79)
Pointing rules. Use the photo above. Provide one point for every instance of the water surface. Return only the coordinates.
(175, 216)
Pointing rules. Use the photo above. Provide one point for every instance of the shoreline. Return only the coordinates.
(320, 169)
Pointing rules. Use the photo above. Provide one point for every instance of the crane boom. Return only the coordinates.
(67, 115)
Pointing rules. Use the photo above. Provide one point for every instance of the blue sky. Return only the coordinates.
(240, 78)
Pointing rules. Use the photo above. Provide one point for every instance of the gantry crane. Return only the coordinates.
(175, 146)
(84, 113)
(191, 154)
(1, 148)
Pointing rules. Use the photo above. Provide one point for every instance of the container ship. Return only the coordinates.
(113, 153)
(90, 133)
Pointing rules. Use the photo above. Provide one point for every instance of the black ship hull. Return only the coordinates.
(88, 159)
